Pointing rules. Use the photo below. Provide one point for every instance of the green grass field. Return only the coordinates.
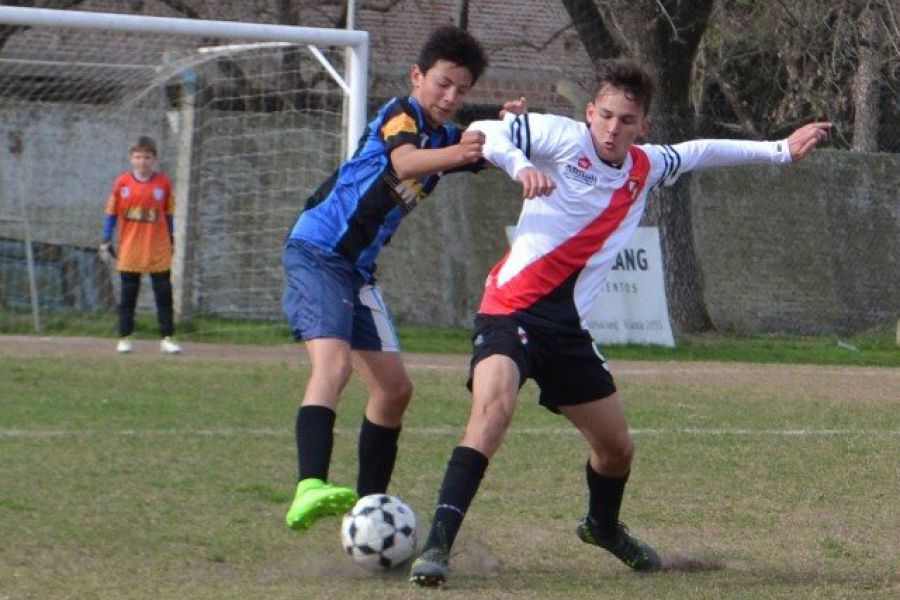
(167, 477)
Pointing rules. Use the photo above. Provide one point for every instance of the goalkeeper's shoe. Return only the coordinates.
(168, 346)
(124, 346)
(430, 569)
(637, 554)
(315, 499)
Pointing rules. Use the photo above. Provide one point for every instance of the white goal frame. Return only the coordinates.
(356, 42)
(354, 84)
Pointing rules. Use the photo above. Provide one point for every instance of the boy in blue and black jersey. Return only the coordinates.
(330, 297)
(357, 210)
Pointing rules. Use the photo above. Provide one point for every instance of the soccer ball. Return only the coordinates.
(380, 532)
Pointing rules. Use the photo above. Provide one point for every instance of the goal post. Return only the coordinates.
(356, 42)
(249, 118)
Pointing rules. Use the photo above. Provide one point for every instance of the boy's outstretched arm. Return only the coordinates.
(410, 162)
(804, 140)
(705, 153)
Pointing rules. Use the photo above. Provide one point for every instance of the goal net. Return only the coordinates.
(248, 118)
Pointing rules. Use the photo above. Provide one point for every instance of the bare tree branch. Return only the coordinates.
(598, 40)
(523, 43)
(747, 126)
(892, 27)
(463, 15)
(665, 13)
(787, 10)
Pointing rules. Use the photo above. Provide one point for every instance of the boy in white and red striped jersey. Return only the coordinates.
(585, 185)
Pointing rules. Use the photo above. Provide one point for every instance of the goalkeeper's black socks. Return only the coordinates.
(315, 440)
(605, 499)
(461, 480)
(377, 455)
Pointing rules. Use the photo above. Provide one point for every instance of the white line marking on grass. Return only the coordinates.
(688, 368)
(265, 432)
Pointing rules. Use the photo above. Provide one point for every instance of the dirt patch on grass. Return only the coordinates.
(865, 384)
(62, 346)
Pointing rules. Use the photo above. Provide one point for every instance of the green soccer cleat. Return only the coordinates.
(635, 553)
(430, 569)
(315, 499)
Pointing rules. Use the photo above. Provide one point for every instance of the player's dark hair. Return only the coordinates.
(145, 143)
(455, 45)
(630, 77)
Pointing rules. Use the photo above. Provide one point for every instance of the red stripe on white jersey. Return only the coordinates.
(545, 274)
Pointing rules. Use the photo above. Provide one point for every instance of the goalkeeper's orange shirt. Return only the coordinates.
(141, 209)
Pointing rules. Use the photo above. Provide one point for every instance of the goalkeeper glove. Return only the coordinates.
(106, 252)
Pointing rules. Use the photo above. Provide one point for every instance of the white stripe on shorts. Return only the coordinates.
(370, 296)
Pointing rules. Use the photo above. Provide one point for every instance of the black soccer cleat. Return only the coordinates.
(635, 553)
(430, 569)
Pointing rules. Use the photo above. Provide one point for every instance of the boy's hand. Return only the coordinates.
(534, 183)
(803, 141)
(471, 146)
(516, 107)
(106, 253)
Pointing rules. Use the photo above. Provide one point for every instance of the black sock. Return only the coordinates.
(377, 454)
(315, 439)
(461, 481)
(605, 499)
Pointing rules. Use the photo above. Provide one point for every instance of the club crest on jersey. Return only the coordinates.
(125, 192)
(159, 194)
(584, 163)
(634, 186)
(576, 174)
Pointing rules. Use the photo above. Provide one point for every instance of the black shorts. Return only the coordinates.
(567, 366)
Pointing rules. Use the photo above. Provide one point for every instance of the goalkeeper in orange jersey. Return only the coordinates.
(142, 200)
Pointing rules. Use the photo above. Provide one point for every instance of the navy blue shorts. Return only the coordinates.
(326, 297)
(567, 366)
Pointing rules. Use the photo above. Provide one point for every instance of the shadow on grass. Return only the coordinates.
(691, 564)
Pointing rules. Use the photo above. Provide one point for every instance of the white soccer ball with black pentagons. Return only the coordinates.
(380, 532)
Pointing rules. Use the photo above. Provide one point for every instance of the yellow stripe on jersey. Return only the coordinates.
(402, 123)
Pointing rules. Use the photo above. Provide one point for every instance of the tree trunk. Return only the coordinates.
(867, 83)
(673, 48)
(664, 34)
(670, 209)
(598, 40)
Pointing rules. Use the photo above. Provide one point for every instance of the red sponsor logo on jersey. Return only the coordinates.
(584, 163)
